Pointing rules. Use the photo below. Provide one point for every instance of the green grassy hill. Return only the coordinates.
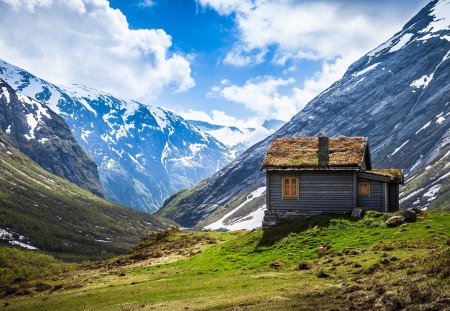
(57, 216)
(318, 264)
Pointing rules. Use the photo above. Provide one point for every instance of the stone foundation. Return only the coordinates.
(274, 217)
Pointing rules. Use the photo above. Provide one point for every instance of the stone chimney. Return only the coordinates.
(323, 153)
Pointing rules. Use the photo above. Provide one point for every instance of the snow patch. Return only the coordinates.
(398, 149)
(431, 194)
(6, 94)
(15, 239)
(402, 42)
(253, 220)
(160, 117)
(361, 72)
(381, 47)
(422, 82)
(441, 20)
(423, 127)
(440, 120)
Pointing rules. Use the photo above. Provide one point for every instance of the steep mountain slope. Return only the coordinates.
(239, 139)
(41, 210)
(397, 95)
(144, 154)
(41, 134)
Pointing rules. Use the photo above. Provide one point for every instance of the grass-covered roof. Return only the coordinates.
(395, 174)
(301, 152)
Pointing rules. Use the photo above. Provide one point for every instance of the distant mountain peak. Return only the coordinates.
(144, 153)
(38, 132)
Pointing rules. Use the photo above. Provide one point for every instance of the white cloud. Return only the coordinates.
(301, 30)
(220, 118)
(330, 72)
(262, 96)
(88, 42)
(146, 3)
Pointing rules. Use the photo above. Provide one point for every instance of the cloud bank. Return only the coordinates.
(88, 42)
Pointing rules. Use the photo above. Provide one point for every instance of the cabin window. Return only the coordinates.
(290, 187)
(364, 188)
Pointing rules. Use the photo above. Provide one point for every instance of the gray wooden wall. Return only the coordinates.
(328, 191)
(376, 200)
(319, 191)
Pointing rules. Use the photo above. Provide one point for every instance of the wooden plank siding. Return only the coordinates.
(386, 196)
(318, 191)
(376, 200)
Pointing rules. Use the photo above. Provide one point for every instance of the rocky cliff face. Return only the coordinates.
(144, 154)
(41, 134)
(397, 95)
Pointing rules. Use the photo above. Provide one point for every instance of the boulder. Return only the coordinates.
(409, 215)
(395, 221)
(357, 213)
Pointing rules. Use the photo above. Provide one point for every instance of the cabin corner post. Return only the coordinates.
(355, 190)
(267, 190)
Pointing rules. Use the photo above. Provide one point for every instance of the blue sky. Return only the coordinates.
(224, 61)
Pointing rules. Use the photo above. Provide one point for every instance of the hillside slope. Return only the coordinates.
(397, 95)
(41, 210)
(144, 154)
(42, 135)
(319, 264)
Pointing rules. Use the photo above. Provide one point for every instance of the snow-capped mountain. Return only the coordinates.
(398, 95)
(42, 135)
(238, 138)
(144, 154)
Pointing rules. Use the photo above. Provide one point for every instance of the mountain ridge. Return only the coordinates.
(144, 154)
(41, 134)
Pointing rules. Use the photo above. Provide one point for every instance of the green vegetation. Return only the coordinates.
(17, 264)
(58, 216)
(323, 263)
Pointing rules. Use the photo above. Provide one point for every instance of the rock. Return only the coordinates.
(415, 210)
(395, 221)
(409, 215)
(357, 213)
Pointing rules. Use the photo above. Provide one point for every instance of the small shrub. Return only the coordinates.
(324, 250)
(40, 287)
(304, 266)
(322, 274)
(277, 263)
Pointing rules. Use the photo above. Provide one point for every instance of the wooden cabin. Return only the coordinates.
(311, 175)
